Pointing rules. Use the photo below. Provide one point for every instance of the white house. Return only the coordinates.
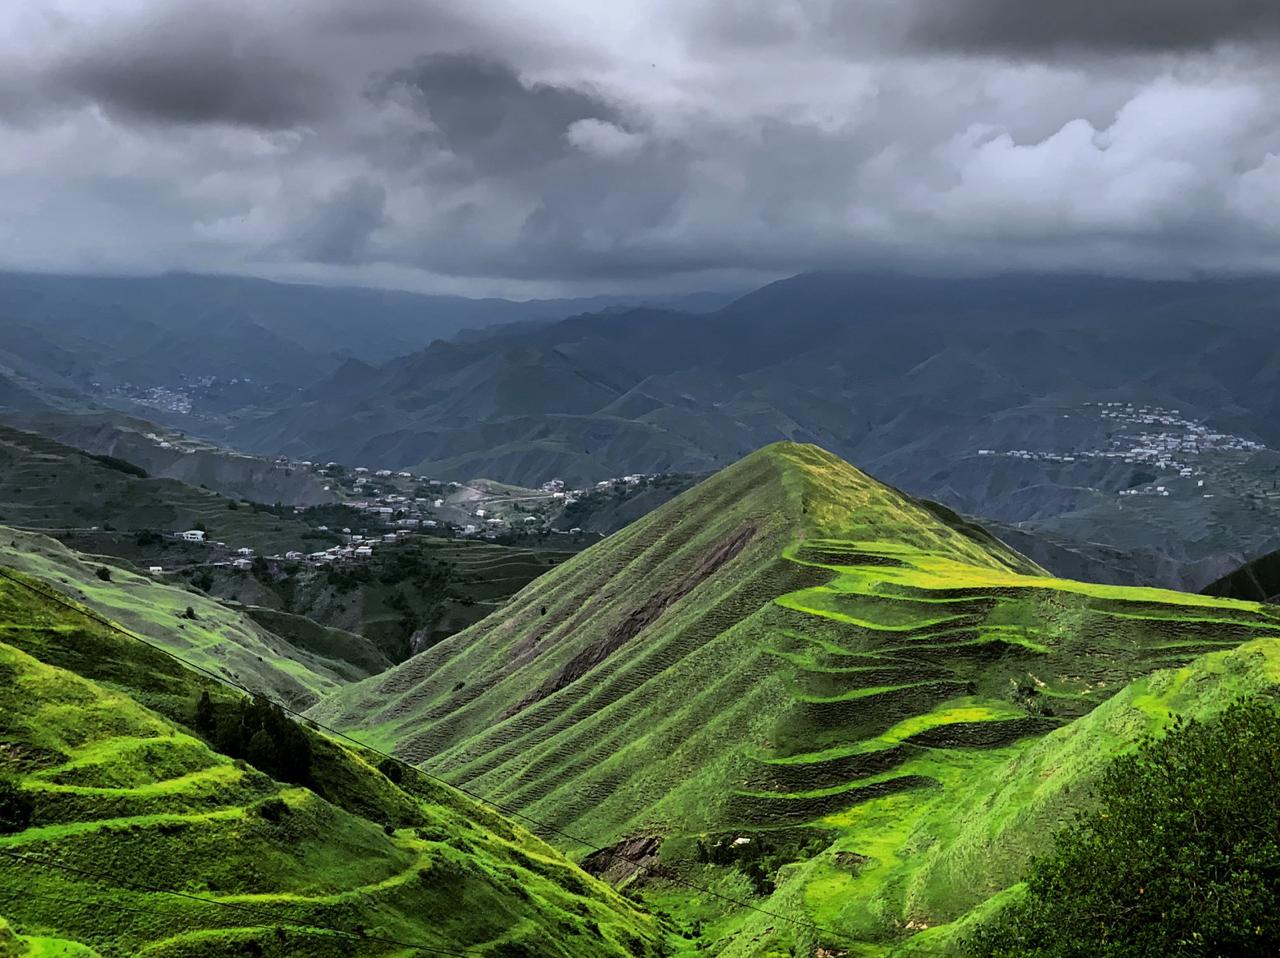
(155, 569)
(244, 551)
(364, 552)
(293, 555)
(243, 564)
(192, 535)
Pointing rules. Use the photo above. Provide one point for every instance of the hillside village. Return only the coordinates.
(1174, 447)
(394, 505)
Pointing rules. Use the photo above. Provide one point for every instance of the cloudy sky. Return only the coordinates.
(508, 147)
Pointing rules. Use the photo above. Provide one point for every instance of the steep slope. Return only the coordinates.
(774, 655)
(142, 838)
(292, 665)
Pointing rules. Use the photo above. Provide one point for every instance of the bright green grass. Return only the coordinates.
(862, 678)
(95, 728)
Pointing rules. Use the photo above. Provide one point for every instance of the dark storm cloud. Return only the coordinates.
(585, 145)
(192, 65)
(1032, 27)
(488, 115)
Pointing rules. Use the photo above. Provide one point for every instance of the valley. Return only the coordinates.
(713, 479)
(771, 708)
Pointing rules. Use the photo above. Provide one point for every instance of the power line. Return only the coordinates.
(126, 885)
(60, 599)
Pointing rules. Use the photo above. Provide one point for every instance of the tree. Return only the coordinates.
(205, 714)
(16, 807)
(1180, 856)
(103, 573)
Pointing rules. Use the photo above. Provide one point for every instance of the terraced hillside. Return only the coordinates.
(293, 665)
(794, 654)
(132, 835)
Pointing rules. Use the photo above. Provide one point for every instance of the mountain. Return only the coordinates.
(911, 377)
(788, 680)
(137, 820)
(165, 454)
(192, 348)
(97, 500)
(285, 663)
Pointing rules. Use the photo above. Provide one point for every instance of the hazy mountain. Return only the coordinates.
(910, 377)
(224, 342)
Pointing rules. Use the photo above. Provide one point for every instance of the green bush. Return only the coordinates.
(103, 573)
(1180, 856)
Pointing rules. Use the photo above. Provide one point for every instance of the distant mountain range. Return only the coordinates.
(911, 377)
(906, 374)
(1066, 409)
(226, 342)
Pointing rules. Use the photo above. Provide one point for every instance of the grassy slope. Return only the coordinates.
(48, 486)
(97, 728)
(845, 676)
(288, 665)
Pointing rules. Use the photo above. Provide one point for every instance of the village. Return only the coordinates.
(393, 505)
(1172, 447)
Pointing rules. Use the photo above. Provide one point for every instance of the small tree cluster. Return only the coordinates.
(16, 807)
(1180, 856)
(259, 732)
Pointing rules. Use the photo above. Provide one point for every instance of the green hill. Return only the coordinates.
(48, 486)
(292, 664)
(133, 835)
(809, 673)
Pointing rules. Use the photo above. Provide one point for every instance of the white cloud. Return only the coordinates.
(602, 138)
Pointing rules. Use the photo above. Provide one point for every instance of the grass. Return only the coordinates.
(97, 730)
(862, 669)
(293, 666)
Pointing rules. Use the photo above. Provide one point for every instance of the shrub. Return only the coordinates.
(1180, 856)
(103, 573)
